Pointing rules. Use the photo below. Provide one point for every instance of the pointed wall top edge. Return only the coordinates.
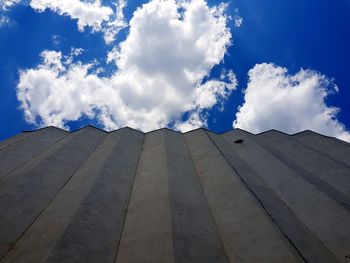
(172, 130)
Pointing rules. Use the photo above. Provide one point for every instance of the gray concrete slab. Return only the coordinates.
(322, 185)
(92, 196)
(340, 141)
(94, 233)
(307, 244)
(247, 232)
(26, 149)
(195, 237)
(147, 235)
(304, 158)
(14, 139)
(115, 158)
(325, 218)
(329, 147)
(31, 187)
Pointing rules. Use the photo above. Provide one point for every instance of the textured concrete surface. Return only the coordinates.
(16, 151)
(301, 205)
(163, 196)
(336, 150)
(147, 233)
(235, 210)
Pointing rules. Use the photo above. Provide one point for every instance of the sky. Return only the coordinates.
(252, 64)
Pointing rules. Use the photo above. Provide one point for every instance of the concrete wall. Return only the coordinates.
(126, 196)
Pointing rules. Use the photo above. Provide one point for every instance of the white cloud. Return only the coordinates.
(290, 103)
(91, 14)
(170, 48)
(88, 14)
(6, 4)
(116, 23)
(238, 21)
(4, 20)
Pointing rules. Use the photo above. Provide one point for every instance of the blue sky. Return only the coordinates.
(183, 64)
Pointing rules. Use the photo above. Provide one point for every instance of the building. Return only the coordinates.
(163, 196)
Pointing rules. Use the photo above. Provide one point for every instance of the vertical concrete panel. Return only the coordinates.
(329, 171)
(317, 181)
(195, 237)
(29, 189)
(246, 230)
(147, 233)
(327, 227)
(27, 148)
(104, 183)
(329, 147)
(311, 248)
(93, 234)
(198, 197)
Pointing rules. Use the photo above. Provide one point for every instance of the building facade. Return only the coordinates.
(126, 196)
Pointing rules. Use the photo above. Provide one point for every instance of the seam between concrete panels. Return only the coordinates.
(268, 214)
(128, 203)
(169, 198)
(73, 214)
(86, 194)
(50, 201)
(334, 139)
(24, 136)
(314, 180)
(340, 162)
(311, 234)
(205, 197)
(30, 159)
(344, 143)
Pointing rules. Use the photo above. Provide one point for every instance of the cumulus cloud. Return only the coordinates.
(290, 103)
(171, 47)
(88, 14)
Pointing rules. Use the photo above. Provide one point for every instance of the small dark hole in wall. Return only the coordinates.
(239, 141)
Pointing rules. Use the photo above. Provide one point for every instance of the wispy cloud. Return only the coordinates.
(91, 14)
(4, 20)
(238, 21)
(7, 4)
